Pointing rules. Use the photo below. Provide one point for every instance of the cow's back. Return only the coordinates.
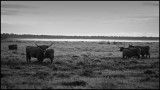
(34, 51)
(135, 50)
(144, 49)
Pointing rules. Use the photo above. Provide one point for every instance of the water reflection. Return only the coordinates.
(88, 40)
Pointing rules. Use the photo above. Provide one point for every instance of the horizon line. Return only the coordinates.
(79, 35)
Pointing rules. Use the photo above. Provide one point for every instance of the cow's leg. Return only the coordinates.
(127, 57)
(142, 55)
(123, 56)
(27, 57)
(51, 59)
(149, 55)
(138, 56)
(145, 55)
(40, 60)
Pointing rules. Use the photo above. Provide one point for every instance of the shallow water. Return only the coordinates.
(88, 40)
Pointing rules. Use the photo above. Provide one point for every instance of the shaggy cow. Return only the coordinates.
(36, 52)
(49, 53)
(144, 50)
(12, 47)
(130, 52)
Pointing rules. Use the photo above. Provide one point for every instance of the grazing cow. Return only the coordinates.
(12, 47)
(144, 50)
(130, 52)
(49, 53)
(36, 52)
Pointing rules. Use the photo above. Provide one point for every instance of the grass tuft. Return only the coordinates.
(74, 83)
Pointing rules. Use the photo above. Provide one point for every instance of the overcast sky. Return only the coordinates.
(100, 18)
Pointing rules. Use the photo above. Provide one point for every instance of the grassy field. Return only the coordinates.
(79, 65)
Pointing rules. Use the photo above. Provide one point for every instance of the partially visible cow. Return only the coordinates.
(144, 50)
(12, 47)
(36, 52)
(130, 52)
(49, 53)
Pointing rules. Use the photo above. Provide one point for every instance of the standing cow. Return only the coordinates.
(36, 52)
(12, 47)
(144, 50)
(130, 52)
(49, 53)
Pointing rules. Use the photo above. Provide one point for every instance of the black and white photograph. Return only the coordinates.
(79, 44)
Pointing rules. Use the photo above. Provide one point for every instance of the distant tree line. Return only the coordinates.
(11, 35)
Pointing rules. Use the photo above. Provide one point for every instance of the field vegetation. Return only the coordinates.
(79, 65)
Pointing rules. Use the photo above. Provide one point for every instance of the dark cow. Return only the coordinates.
(12, 47)
(36, 52)
(144, 50)
(49, 53)
(130, 52)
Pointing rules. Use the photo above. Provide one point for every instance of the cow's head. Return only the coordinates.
(44, 47)
(130, 45)
(121, 48)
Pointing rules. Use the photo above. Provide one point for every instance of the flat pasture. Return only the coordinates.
(79, 65)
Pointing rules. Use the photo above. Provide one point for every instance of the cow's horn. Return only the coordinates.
(51, 44)
(37, 45)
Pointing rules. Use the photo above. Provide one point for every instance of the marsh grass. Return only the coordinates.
(79, 65)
